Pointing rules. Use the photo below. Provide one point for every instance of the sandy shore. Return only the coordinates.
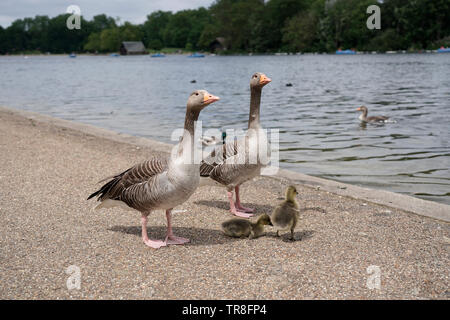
(47, 226)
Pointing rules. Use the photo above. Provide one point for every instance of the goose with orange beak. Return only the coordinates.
(162, 182)
(233, 165)
(364, 118)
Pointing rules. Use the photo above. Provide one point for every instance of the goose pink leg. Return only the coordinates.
(238, 203)
(171, 238)
(233, 209)
(155, 244)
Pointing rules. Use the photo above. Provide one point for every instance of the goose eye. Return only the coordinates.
(196, 93)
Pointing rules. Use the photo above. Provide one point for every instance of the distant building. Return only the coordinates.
(218, 44)
(132, 47)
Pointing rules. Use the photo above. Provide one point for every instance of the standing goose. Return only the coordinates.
(363, 117)
(162, 182)
(235, 165)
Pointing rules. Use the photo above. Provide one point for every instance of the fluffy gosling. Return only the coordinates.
(286, 214)
(242, 228)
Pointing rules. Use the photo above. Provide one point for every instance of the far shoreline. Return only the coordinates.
(227, 54)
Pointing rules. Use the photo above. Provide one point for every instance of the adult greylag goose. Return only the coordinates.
(163, 182)
(234, 165)
(363, 117)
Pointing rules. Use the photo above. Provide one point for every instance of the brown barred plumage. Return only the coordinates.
(228, 150)
(130, 186)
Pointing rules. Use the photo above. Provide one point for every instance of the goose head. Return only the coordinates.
(363, 109)
(199, 99)
(259, 80)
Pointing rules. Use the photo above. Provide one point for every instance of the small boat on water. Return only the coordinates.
(443, 50)
(114, 55)
(72, 55)
(348, 51)
(196, 55)
(158, 55)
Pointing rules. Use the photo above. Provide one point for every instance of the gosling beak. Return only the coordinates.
(263, 80)
(209, 98)
(358, 109)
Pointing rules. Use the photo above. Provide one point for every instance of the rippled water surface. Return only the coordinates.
(320, 133)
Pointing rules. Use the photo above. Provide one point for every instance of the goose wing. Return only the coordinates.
(233, 166)
(377, 118)
(218, 158)
(136, 178)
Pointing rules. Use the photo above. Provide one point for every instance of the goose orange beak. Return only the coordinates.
(209, 98)
(264, 79)
(358, 109)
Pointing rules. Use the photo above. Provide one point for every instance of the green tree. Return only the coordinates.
(110, 40)
(101, 22)
(130, 32)
(153, 29)
(422, 21)
(93, 43)
(210, 32)
(61, 39)
(301, 31)
(16, 36)
(235, 20)
(3, 48)
(185, 27)
(38, 33)
(277, 13)
(345, 23)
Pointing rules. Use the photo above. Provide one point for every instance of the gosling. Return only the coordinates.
(242, 228)
(286, 214)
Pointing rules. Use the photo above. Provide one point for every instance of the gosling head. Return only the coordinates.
(264, 219)
(259, 80)
(291, 193)
(199, 99)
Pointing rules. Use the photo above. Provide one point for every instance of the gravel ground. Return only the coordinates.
(47, 225)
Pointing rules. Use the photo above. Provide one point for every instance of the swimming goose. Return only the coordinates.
(285, 215)
(162, 182)
(240, 228)
(236, 165)
(363, 117)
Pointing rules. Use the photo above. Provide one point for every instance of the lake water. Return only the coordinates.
(320, 133)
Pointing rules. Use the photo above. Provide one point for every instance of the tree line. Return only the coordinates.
(247, 26)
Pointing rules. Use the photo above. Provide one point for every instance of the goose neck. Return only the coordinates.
(187, 142)
(255, 102)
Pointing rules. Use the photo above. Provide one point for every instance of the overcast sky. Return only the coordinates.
(134, 11)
